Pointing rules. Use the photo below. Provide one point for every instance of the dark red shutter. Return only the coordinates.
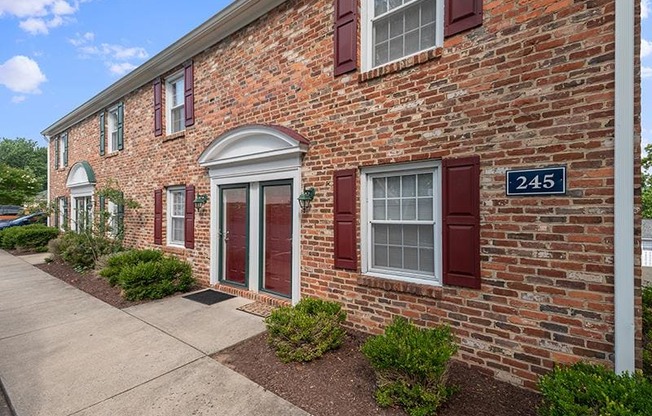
(158, 216)
(189, 95)
(189, 228)
(346, 253)
(461, 221)
(346, 36)
(462, 15)
(158, 107)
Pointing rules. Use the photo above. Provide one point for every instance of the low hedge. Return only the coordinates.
(33, 237)
(588, 389)
(411, 365)
(307, 330)
(82, 250)
(148, 274)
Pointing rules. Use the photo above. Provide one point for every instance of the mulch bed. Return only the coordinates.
(90, 282)
(341, 383)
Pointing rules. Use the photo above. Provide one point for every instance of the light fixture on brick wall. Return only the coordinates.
(200, 201)
(306, 198)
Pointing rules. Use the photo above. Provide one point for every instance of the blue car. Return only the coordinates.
(36, 218)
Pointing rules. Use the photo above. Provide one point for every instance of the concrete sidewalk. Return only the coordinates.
(64, 352)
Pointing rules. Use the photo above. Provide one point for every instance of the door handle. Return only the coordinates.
(226, 236)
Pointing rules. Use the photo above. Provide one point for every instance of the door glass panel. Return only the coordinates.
(233, 233)
(277, 238)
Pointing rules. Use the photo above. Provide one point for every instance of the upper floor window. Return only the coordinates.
(61, 151)
(113, 129)
(175, 114)
(395, 29)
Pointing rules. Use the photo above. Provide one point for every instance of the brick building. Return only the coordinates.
(405, 120)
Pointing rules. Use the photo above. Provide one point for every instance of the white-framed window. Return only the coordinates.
(176, 216)
(174, 98)
(401, 227)
(112, 218)
(83, 213)
(63, 213)
(395, 29)
(112, 125)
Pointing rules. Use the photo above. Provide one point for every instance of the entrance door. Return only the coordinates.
(234, 233)
(276, 241)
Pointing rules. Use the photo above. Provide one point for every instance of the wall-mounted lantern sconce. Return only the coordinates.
(200, 201)
(306, 198)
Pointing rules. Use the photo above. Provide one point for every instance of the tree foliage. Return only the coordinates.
(26, 154)
(646, 182)
(17, 185)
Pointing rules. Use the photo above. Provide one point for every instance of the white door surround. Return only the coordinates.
(251, 155)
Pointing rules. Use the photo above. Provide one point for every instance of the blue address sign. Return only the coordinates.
(542, 181)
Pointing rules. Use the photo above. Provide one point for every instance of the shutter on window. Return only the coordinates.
(346, 36)
(56, 211)
(120, 218)
(189, 94)
(346, 253)
(103, 216)
(461, 222)
(462, 15)
(158, 107)
(158, 216)
(56, 152)
(65, 149)
(121, 118)
(102, 134)
(65, 212)
(189, 227)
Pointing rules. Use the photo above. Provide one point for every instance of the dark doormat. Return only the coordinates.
(208, 297)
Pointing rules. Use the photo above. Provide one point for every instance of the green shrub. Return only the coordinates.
(116, 263)
(82, 250)
(411, 366)
(647, 331)
(31, 237)
(306, 331)
(590, 389)
(155, 279)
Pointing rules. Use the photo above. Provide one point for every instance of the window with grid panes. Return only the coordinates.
(401, 223)
(176, 216)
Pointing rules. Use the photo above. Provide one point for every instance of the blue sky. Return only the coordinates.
(56, 54)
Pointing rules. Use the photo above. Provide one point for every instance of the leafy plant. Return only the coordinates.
(306, 331)
(82, 250)
(647, 331)
(155, 279)
(34, 237)
(116, 263)
(588, 389)
(411, 365)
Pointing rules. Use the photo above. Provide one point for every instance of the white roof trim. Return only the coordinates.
(234, 17)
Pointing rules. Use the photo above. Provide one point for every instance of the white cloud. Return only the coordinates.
(115, 52)
(646, 48)
(121, 68)
(18, 99)
(39, 16)
(82, 39)
(645, 9)
(646, 72)
(21, 74)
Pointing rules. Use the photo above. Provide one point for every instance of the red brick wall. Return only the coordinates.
(533, 86)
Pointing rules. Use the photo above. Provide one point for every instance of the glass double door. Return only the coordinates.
(270, 217)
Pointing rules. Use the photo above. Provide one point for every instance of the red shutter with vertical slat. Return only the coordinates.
(189, 228)
(158, 216)
(346, 36)
(462, 15)
(346, 253)
(461, 222)
(189, 94)
(158, 107)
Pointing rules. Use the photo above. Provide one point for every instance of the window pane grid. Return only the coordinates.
(402, 29)
(403, 198)
(403, 247)
(177, 216)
